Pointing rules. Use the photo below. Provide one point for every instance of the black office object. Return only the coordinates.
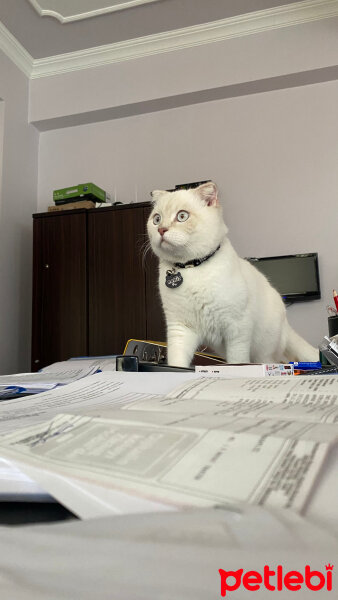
(295, 276)
(190, 186)
(132, 363)
(156, 352)
(329, 349)
(333, 325)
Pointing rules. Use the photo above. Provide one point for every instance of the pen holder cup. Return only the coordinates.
(333, 325)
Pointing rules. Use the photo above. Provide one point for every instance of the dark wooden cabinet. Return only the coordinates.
(116, 280)
(92, 288)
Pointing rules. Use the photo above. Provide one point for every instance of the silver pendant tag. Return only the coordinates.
(173, 280)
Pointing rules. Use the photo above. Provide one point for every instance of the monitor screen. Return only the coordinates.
(295, 276)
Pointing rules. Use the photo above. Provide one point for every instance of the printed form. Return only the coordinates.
(209, 441)
(96, 390)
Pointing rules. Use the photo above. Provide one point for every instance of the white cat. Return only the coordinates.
(224, 302)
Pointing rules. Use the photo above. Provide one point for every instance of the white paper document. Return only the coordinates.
(15, 485)
(102, 363)
(210, 441)
(92, 392)
(309, 399)
(103, 389)
(57, 374)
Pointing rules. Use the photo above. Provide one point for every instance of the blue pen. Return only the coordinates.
(306, 365)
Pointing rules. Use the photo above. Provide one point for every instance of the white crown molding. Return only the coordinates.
(15, 51)
(247, 24)
(188, 37)
(68, 14)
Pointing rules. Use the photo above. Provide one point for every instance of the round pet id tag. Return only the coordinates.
(173, 280)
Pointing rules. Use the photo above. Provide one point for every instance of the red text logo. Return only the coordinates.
(276, 579)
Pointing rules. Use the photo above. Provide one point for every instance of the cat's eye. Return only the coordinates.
(157, 219)
(182, 215)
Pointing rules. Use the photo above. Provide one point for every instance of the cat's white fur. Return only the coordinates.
(224, 303)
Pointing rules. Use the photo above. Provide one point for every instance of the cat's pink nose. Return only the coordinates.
(162, 230)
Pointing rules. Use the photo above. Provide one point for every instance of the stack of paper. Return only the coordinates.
(91, 391)
(60, 373)
(14, 484)
(207, 442)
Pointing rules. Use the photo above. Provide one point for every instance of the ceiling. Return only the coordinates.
(44, 35)
(75, 10)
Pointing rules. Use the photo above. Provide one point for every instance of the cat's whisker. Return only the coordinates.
(145, 248)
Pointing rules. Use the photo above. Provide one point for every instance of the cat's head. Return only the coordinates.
(186, 224)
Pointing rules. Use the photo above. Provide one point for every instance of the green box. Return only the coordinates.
(87, 191)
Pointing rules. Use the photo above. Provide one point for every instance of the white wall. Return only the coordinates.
(251, 59)
(17, 203)
(273, 155)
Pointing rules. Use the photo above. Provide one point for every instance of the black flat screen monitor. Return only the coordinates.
(295, 276)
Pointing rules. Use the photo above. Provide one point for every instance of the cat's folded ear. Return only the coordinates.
(156, 195)
(208, 193)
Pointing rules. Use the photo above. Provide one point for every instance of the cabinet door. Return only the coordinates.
(156, 330)
(59, 289)
(116, 279)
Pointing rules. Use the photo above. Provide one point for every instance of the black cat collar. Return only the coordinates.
(174, 279)
(196, 261)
